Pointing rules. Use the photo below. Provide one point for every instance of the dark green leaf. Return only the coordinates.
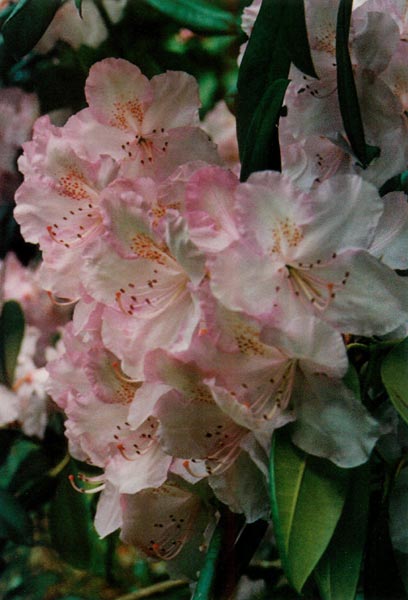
(262, 144)
(398, 515)
(398, 183)
(278, 38)
(199, 15)
(11, 336)
(71, 527)
(7, 439)
(33, 587)
(352, 381)
(338, 571)
(346, 89)
(394, 373)
(296, 37)
(31, 483)
(206, 581)
(26, 24)
(78, 4)
(381, 577)
(14, 522)
(307, 497)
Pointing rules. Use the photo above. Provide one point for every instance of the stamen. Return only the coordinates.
(61, 301)
(83, 490)
(121, 376)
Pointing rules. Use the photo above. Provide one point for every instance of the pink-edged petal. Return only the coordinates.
(147, 284)
(94, 426)
(391, 237)
(145, 402)
(161, 154)
(316, 345)
(243, 488)
(170, 329)
(9, 406)
(346, 213)
(176, 102)
(210, 208)
(160, 521)
(272, 213)
(183, 248)
(118, 94)
(195, 428)
(90, 138)
(245, 281)
(108, 517)
(369, 49)
(138, 471)
(374, 300)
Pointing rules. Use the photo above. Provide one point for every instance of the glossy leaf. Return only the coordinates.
(307, 498)
(346, 89)
(381, 577)
(78, 4)
(71, 526)
(31, 483)
(394, 373)
(14, 522)
(297, 42)
(338, 571)
(199, 15)
(7, 438)
(26, 24)
(206, 581)
(398, 515)
(11, 336)
(278, 38)
(264, 154)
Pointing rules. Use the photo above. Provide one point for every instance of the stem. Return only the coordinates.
(55, 471)
(157, 588)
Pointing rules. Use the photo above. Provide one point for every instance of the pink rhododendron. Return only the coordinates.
(380, 85)
(208, 312)
(27, 400)
(167, 522)
(310, 251)
(220, 124)
(150, 127)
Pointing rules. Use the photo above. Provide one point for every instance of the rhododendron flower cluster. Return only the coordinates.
(210, 312)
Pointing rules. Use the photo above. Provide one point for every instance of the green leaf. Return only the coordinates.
(78, 4)
(206, 581)
(14, 522)
(31, 483)
(307, 497)
(7, 438)
(11, 336)
(381, 577)
(26, 24)
(338, 571)
(199, 15)
(296, 37)
(279, 37)
(262, 155)
(71, 527)
(346, 89)
(398, 515)
(394, 373)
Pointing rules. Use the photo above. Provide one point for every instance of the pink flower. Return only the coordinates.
(168, 522)
(58, 205)
(145, 274)
(150, 127)
(310, 251)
